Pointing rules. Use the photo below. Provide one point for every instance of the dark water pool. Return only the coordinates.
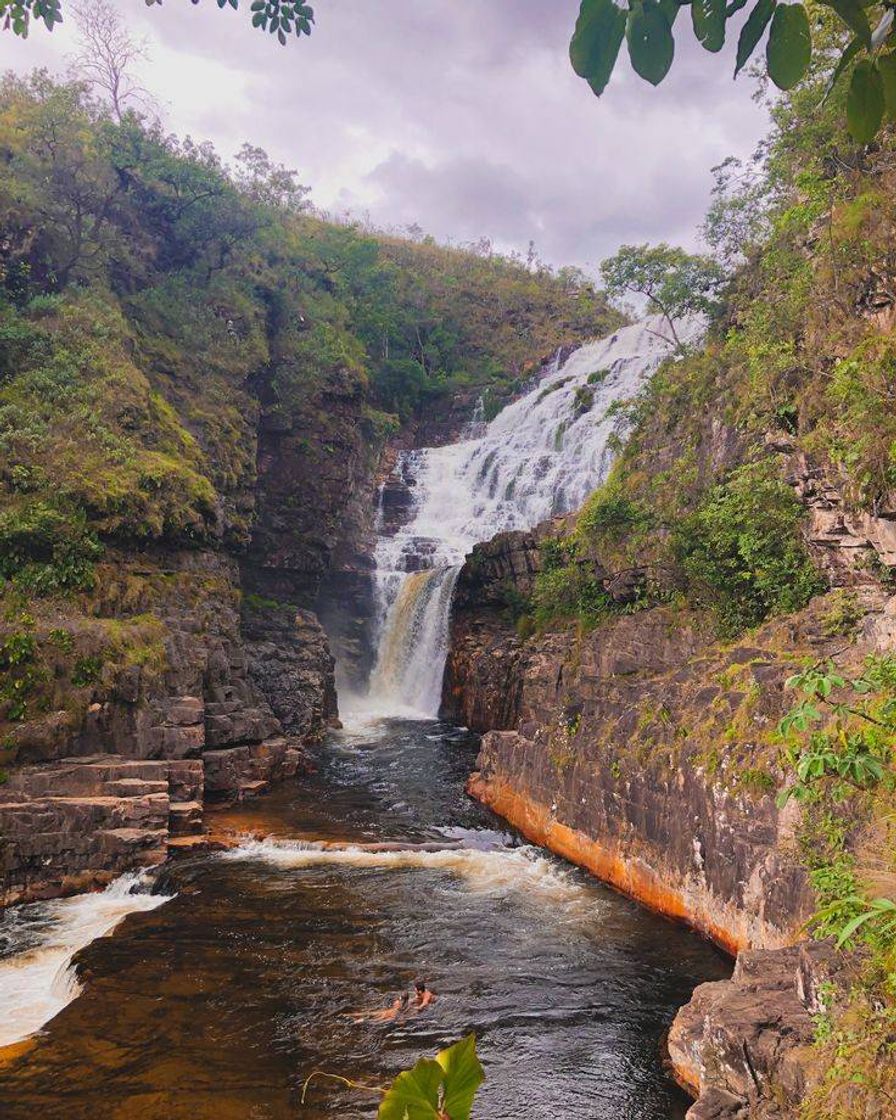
(217, 1005)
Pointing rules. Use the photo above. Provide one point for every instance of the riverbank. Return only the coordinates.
(641, 750)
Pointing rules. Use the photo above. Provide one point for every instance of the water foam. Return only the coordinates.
(38, 982)
(485, 869)
(541, 456)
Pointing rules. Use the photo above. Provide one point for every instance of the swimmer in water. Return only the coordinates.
(423, 997)
(383, 1015)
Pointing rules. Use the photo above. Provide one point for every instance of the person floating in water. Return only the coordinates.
(423, 997)
(401, 1007)
(383, 1015)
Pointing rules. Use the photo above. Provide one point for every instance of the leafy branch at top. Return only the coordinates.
(647, 27)
(278, 17)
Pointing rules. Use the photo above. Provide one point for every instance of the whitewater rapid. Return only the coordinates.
(37, 983)
(540, 457)
(480, 861)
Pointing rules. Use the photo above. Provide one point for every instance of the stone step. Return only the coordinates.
(83, 777)
(133, 787)
(185, 818)
(252, 789)
(188, 845)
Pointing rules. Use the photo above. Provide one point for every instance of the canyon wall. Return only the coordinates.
(200, 674)
(628, 750)
(640, 751)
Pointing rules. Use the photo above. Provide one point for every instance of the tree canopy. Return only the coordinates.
(674, 283)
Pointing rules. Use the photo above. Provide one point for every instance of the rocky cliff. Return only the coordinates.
(184, 693)
(640, 749)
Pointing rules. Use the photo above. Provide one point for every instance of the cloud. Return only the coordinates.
(463, 118)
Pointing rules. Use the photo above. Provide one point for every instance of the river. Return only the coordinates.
(217, 1004)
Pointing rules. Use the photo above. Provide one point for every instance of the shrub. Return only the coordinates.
(45, 550)
(583, 399)
(742, 552)
(86, 670)
(610, 515)
(20, 671)
(569, 591)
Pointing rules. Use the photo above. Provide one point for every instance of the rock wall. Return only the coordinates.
(629, 750)
(215, 707)
(641, 751)
(744, 1046)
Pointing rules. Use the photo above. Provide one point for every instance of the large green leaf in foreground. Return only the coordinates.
(436, 1089)
(595, 44)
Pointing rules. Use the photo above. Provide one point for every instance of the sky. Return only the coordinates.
(463, 118)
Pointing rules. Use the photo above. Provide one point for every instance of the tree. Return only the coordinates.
(58, 191)
(739, 216)
(269, 183)
(673, 282)
(107, 56)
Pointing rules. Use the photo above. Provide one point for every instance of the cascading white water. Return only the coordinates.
(37, 981)
(541, 456)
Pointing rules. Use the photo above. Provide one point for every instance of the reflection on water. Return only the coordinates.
(218, 1004)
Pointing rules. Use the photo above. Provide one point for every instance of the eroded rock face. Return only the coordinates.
(224, 712)
(743, 1046)
(290, 665)
(486, 664)
(846, 541)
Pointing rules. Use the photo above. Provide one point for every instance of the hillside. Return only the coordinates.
(717, 740)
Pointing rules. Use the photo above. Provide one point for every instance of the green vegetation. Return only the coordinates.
(20, 669)
(799, 359)
(439, 1088)
(849, 739)
(742, 553)
(158, 308)
(674, 283)
(838, 745)
(152, 300)
(44, 551)
(865, 36)
(46, 668)
(278, 17)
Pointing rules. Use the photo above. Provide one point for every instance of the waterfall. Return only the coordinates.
(414, 643)
(541, 456)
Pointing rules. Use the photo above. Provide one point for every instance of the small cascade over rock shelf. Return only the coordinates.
(540, 457)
